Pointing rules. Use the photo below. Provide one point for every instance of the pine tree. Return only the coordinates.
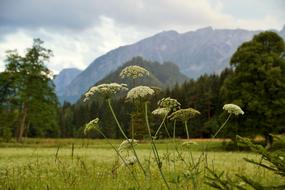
(32, 91)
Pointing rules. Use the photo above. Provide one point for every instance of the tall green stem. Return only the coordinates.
(174, 126)
(118, 153)
(132, 125)
(154, 149)
(186, 128)
(123, 133)
(161, 124)
(168, 134)
(222, 126)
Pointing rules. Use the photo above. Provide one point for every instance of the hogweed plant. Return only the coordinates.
(126, 145)
(134, 72)
(184, 115)
(231, 109)
(140, 93)
(105, 90)
(168, 105)
(143, 93)
(108, 91)
(168, 109)
(93, 125)
(162, 113)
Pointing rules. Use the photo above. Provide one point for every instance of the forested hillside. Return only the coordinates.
(162, 75)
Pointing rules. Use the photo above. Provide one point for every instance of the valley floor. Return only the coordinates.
(93, 164)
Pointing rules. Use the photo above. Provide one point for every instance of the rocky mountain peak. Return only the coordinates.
(205, 50)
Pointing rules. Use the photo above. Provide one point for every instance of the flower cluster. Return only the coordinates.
(184, 114)
(134, 72)
(106, 90)
(131, 160)
(126, 144)
(233, 109)
(140, 92)
(188, 143)
(160, 112)
(94, 124)
(169, 103)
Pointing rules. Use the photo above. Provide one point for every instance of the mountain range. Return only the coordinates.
(63, 79)
(161, 75)
(205, 50)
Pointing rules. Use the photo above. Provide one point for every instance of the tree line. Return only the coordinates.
(255, 81)
(28, 103)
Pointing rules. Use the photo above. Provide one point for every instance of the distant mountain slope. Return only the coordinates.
(63, 79)
(161, 75)
(282, 32)
(197, 52)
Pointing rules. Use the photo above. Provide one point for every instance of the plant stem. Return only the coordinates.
(161, 124)
(186, 128)
(115, 117)
(222, 126)
(174, 126)
(123, 133)
(175, 145)
(132, 121)
(154, 149)
(168, 134)
(118, 153)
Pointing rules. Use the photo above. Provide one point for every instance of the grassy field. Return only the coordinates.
(92, 164)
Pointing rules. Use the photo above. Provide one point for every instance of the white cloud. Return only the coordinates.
(84, 30)
(73, 49)
(266, 23)
(18, 40)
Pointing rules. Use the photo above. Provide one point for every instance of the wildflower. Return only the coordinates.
(131, 160)
(134, 72)
(107, 90)
(141, 92)
(188, 143)
(233, 109)
(91, 125)
(126, 144)
(169, 103)
(184, 114)
(160, 111)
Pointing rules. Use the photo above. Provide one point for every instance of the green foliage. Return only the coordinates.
(255, 83)
(40, 164)
(271, 161)
(7, 122)
(28, 90)
(202, 94)
(161, 75)
(258, 84)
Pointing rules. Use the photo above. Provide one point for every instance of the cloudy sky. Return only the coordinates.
(78, 31)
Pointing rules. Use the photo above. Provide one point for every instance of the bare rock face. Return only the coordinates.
(63, 79)
(206, 50)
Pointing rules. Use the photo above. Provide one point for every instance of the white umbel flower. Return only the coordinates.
(131, 160)
(188, 143)
(169, 103)
(184, 114)
(140, 92)
(233, 109)
(91, 125)
(134, 72)
(106, 90)
(126, 144)
(160, 111)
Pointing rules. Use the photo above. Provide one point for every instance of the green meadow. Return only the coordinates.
(93, 164)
